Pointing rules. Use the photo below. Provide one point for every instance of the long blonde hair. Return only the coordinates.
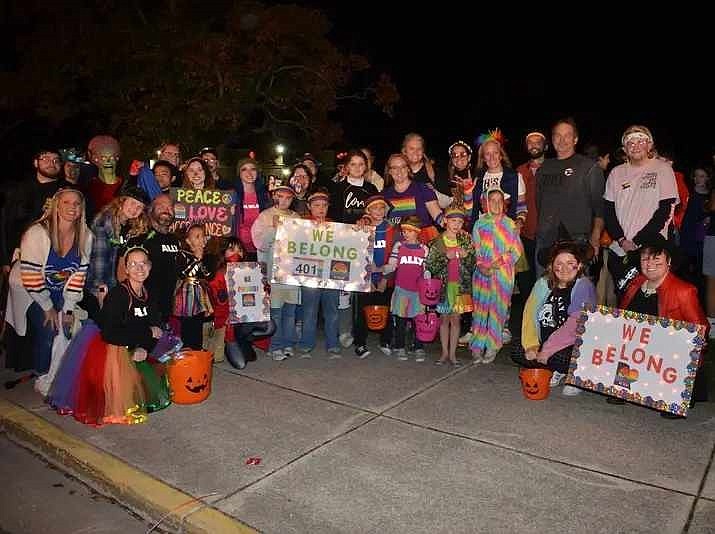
(505, 161)
(50, 221)
(137, 226)
(429, 168)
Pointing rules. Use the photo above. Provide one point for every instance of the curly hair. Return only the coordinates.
(138, 226)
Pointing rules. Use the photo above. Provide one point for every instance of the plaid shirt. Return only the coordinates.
(106, 247)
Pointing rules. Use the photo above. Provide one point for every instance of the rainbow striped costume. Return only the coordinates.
(494, 237)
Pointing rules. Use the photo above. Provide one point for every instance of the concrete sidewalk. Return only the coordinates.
(350, 445)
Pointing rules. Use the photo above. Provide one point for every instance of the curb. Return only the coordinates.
(132, 487)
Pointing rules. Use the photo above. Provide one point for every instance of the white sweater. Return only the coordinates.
(27, 278)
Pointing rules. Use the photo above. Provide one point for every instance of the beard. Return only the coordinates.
(46, 174)
(163, 220)
(536, 153)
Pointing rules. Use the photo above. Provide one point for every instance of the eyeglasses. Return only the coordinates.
(463, 155)
(138, 264)
(50, 159)
(637, 141)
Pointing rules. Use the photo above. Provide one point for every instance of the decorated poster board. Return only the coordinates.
(328, 255)
(211, 207)
(247, 297)
(640, 358)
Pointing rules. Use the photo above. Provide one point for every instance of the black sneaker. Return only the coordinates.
(615, 400)
(362, 352)
(668, 415)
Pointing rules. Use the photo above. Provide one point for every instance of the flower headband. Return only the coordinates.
(461, 143)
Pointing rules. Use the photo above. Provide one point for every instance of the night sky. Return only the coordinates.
(457, 78)
(455, 84)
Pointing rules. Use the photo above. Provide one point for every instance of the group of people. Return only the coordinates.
(126, 283)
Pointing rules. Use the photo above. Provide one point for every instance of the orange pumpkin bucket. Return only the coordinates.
(189, 373)
(376, 316)
(535, 383)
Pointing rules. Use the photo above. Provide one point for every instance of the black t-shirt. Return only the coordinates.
(555, 311)
(347, 201)
(161, 283)
(126, 319)
(23, 204)
(643, 303)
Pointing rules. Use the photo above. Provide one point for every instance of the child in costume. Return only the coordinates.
(98, 383)
(376, 208)
(406, 260)
(192, 303)
(451, 259)
(498, 247)
(284, 298)
(223, 341)
(317, 297)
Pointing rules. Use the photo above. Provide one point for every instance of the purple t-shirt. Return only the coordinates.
(410, 202)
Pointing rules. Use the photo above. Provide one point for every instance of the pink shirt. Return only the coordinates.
(637, 191)
(250, 214)
(453, 264)
(409, 264)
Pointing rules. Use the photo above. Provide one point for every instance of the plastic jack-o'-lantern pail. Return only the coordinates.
(426, 326)
(429, 289)
(376, 316)
(535, 383)
(189, 373)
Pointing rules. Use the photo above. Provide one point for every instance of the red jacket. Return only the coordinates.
(677, 300)
(684, 195)
(529, 228)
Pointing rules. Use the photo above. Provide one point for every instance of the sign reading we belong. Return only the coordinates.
(211, 207)
(640, 358)
(327, 255)
(248, 300)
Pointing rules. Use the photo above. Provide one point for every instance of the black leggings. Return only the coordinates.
(559, 361)
(192, 332)
(405, 334)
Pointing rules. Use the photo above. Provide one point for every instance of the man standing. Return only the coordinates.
(25, 202)
(536, 147)
(639, 199)
(569, 192)
(103, 151)
(162, 247)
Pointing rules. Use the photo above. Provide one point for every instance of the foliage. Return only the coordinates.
(176, 69)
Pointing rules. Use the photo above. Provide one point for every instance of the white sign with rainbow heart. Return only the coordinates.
(640, 358)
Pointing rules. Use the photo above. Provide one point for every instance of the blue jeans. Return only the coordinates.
(42, 338)
(312, 298)
(285, 334)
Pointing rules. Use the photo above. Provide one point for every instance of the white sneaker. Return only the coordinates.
(346, 339)
(401, 354)
(570, 391)
(420, 355)
(386, 350)
(556, 379)
(288, 351)
(506, 336)
(465, 339)
(278, 355)
(489, 355)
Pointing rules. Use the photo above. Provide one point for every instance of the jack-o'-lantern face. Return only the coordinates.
(376, 317)
(197, 385)
(432, 292)
(530, 388)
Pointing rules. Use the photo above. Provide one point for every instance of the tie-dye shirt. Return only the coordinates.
(410, 202)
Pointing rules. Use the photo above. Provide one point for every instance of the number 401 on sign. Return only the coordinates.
(308, 267)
